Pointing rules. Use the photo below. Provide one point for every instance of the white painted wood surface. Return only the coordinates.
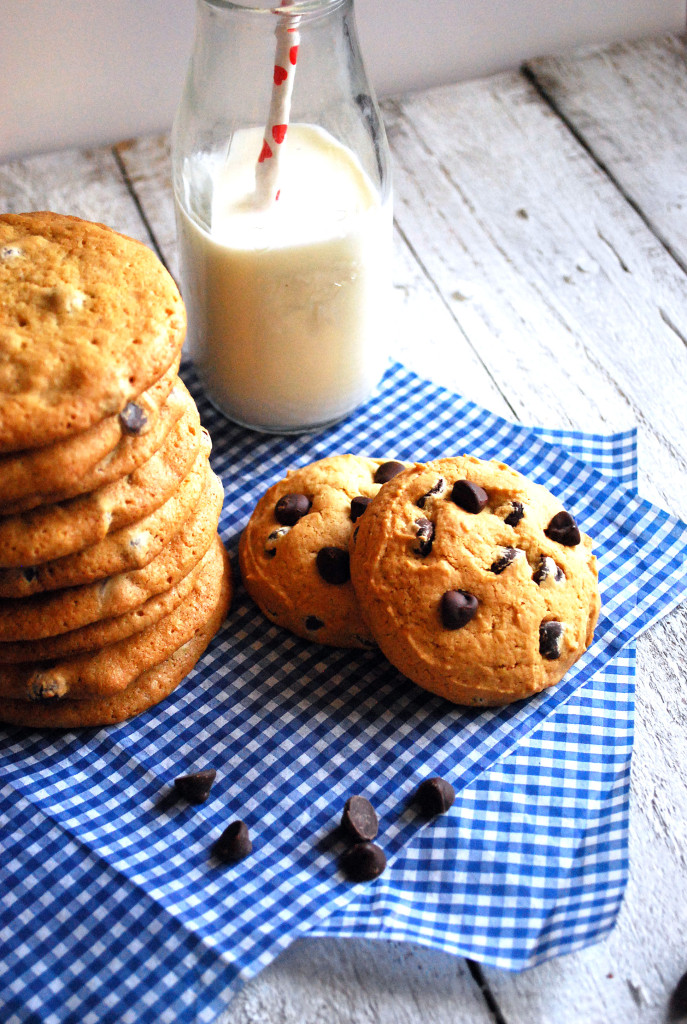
(540, 270)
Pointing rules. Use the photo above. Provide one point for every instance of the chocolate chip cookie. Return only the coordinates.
(52, 531)
(109, 670)
(475, 583)
(293, 553)
(144, 692)
(88, 320)
(43, 471)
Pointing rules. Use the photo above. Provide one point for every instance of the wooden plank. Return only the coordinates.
(83, 183)
(353, 980)
(628, 103)
(425, 335)
(573, 305)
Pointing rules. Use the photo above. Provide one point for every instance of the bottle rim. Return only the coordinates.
(297, 8)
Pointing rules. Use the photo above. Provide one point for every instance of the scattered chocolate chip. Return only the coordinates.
(312, 622)
(387, 471)
(547, 572)
(468, 496)
(30, 573)
(434, 492)
(677, 1009)
(563, 529)
(271, 543)
(333, 565)
(234, 843)
(434, 796)
(457, 607)
(514, 517)
(425, 536)
(507, 556)
(358, 506)
(195, 787)
(133, 418)
(291, 508)
(550, 639)
(359, 819)
(362, 862)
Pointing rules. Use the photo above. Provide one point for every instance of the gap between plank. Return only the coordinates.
(483, 985)
(132, 192)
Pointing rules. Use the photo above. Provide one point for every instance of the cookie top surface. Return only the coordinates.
(294, 551)
(89, 318)
(475, 582)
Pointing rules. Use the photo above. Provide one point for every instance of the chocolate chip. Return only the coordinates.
(133, 418)
(30, 573)
(271, 544)
(358, 506)
(563, 529)
(677, 1009)
(550, 639)
(468, 496)
(548, 572)
(333, 565)
(507, 556)
(362, 862)
(291, 508)
(234, 843)
(312, 622)
(195, 787)
(425, 536)
(434, 796)
(359, 820)
(457, 607)
(514, 517)
(434, 492)
(42, 687)
(387, 471)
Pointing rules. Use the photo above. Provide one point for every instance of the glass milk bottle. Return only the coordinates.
(283, 202)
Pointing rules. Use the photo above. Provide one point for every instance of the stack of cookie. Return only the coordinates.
(112, 577)
(474, 582)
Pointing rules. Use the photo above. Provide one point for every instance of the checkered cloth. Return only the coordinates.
(112, 909)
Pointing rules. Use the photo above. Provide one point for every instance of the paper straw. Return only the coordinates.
(285, 57)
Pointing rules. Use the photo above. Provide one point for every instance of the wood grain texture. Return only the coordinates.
(554, 279)
(358, 981)
(638, 132)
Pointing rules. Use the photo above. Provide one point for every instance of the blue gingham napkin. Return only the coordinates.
(112, 909)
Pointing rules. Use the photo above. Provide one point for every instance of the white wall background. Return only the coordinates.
(90, 72)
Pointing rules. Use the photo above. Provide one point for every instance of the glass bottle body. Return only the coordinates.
(287, 283)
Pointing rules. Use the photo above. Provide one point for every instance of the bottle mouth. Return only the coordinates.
(296, 9)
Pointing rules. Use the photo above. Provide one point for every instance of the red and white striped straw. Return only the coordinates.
(285, 57)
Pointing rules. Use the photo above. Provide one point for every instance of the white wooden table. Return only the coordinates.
(541, 270)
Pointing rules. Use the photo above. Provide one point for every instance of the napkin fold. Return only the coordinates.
(112, 909)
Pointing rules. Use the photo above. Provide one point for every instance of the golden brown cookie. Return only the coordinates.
(475, 583)
(130, 548)
(53, 531)
(293, 553)
(135, 448)
(88, 320)
(149, 689)
(107, 631)
(25, 623)
(46, 470)
(110, 670)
